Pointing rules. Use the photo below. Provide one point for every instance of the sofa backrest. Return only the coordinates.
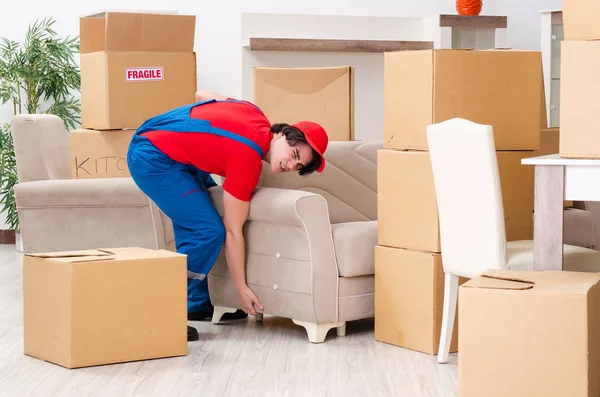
(41, 147)
(348, 183)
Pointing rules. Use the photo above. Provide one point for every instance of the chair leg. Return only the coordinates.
(450, 295)
(318, 332)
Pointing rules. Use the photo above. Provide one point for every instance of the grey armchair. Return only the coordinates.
(58, 213)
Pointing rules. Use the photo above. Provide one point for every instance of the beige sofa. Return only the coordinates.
(310, 240)
(312, 259)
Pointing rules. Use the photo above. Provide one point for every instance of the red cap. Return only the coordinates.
(316, 138)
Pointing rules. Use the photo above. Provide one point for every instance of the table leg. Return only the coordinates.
(548, 217)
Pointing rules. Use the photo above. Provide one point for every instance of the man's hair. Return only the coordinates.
(294, 136)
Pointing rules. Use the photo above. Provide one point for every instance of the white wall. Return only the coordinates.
(219, 30)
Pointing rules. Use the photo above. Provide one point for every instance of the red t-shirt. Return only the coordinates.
(237, 162)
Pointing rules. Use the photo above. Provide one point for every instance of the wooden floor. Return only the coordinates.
(241, 359)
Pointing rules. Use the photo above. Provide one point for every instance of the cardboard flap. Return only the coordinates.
(497, 279)
(77, 256)
(92, 34)
(150, 32)
(302, 80)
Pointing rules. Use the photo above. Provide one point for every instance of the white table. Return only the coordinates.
(558, 179)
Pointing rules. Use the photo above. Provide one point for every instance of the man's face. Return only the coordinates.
(287, 158)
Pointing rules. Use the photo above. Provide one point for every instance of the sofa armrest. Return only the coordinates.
(273, 205)
(70, 214)
(290, 256)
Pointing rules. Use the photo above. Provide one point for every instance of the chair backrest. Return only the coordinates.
(348, 183)
(465, 170)
(41, 147)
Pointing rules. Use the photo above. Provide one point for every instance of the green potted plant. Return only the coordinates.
(36, 76)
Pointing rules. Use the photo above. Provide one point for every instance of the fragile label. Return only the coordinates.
(144, 74)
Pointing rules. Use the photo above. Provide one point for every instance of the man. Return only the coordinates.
(171, 157)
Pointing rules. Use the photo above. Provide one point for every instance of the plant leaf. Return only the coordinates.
(40, 68)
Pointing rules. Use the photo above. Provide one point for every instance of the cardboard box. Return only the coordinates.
(581, 19)
(409, 299)
(579, 105)
(94, 307)
(407, 205)
(529, 334)
(137, 32)
(406, 202)
(549, 142)
(99, 154)
(497, 88)
(134, 67)
(322, 95)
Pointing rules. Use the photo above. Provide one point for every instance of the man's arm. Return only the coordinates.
(235, 215)
(207, 95)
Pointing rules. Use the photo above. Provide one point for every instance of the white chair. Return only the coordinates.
(465, 169)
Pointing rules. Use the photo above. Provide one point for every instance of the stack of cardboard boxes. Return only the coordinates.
(133, 67)
(91, 307)
(580, 80)
(499, 88)
(542, 337)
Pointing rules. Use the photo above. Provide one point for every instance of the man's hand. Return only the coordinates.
(234, 216)
(249, 301)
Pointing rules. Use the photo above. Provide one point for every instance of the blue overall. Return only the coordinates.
(180, 191)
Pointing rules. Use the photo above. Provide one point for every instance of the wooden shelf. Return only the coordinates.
(557, 18)
(327, 45)
(480, 21)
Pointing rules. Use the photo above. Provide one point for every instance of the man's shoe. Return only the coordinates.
(206, 315)
(238, 315)
(192, 334)
(203, 315)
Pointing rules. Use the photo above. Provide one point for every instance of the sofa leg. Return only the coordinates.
(258, 318)
(341, 330)
(318, 332)
(219, 311)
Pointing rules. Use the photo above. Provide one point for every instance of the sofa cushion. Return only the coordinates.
(348, 183)
(354, 244)
(579, 228)
(41, 145)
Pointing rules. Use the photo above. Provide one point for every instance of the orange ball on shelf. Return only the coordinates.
(469, 7)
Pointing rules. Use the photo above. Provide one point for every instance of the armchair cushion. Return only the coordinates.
(354, 244)
(41, 147)
(80, 192)
(73, 214)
